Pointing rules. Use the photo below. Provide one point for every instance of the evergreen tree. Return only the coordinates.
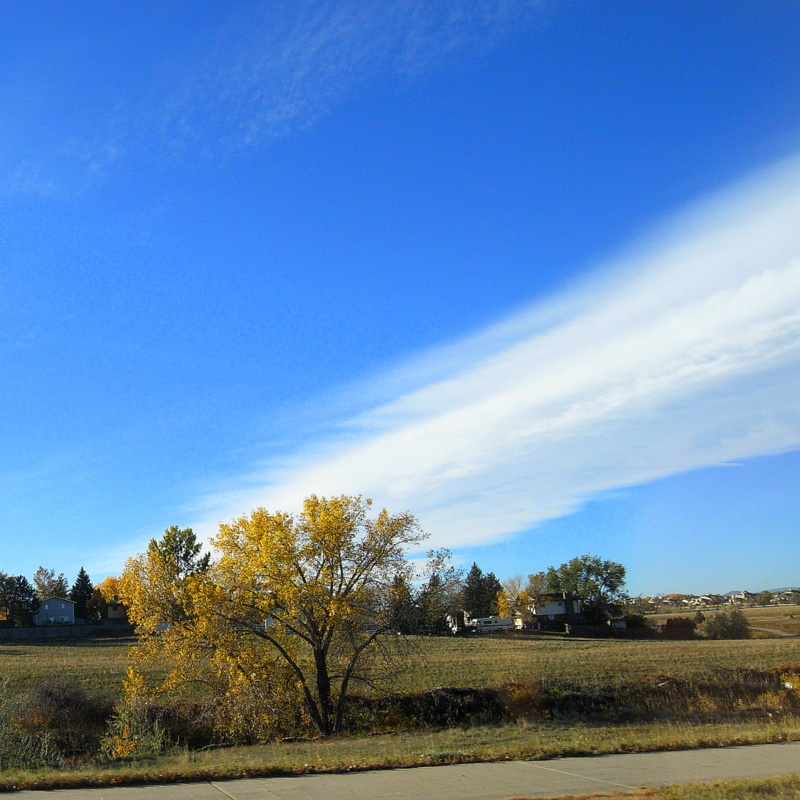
(81, 594)
(479, 595)
(436, 603)
(491, 588)
(18, 600)
(472, 593)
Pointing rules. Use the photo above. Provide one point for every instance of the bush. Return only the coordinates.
(21, 749)
(133, 734)
(63, 710)
(442, 707)
(679, 628)
(726, 624)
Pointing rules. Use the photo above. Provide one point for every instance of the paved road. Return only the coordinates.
(496, 781)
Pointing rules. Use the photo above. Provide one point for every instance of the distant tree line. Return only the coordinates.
(20, 598)
(598, 584)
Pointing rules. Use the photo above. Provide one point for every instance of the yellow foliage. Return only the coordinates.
(791, 679)
(505, 607)
(285, 619)
(109, 588)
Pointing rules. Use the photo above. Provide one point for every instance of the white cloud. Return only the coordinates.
(682, 354)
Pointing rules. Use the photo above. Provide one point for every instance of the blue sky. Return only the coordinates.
(530, 270)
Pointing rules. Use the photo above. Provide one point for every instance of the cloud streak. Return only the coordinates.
(284, 66)
(683, 353)
(265, 72)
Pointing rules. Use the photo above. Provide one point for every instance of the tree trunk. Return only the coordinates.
(324, 692)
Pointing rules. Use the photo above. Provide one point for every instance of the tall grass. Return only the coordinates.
(538, 740)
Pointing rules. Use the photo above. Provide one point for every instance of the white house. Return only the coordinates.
(56, 611)
(556, 609)
(708, 600)
(741, 597)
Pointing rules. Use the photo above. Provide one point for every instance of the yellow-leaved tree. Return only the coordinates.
(284, 621)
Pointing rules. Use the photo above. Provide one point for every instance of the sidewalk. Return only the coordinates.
(494, 781)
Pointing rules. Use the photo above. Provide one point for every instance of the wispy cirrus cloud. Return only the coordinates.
(682, 354)
(263, 73)
(281, 67)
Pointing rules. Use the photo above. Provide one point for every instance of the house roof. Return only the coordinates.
(60, 599)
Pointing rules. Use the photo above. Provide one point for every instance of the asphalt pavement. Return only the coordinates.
(494, 781)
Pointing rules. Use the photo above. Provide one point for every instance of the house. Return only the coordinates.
(707, 600)
(55, 611)
(115, 613)
(553, 610)
(741, 597)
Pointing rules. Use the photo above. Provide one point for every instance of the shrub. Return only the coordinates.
(62, 709)
(680, 628)
(442, 707)
(133, 734)
(525, 699)
(21, 749)
(726, 624)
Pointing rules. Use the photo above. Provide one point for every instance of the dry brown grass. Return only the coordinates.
(99, 664)
(517, 741)
(783, 788)
(772, 620)
(491, 662)
(96, 664)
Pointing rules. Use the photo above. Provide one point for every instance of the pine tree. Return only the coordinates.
(436, 603)
(472, 593)
(491, 587)
(479, 595)
(81, 594)
(17, 600)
